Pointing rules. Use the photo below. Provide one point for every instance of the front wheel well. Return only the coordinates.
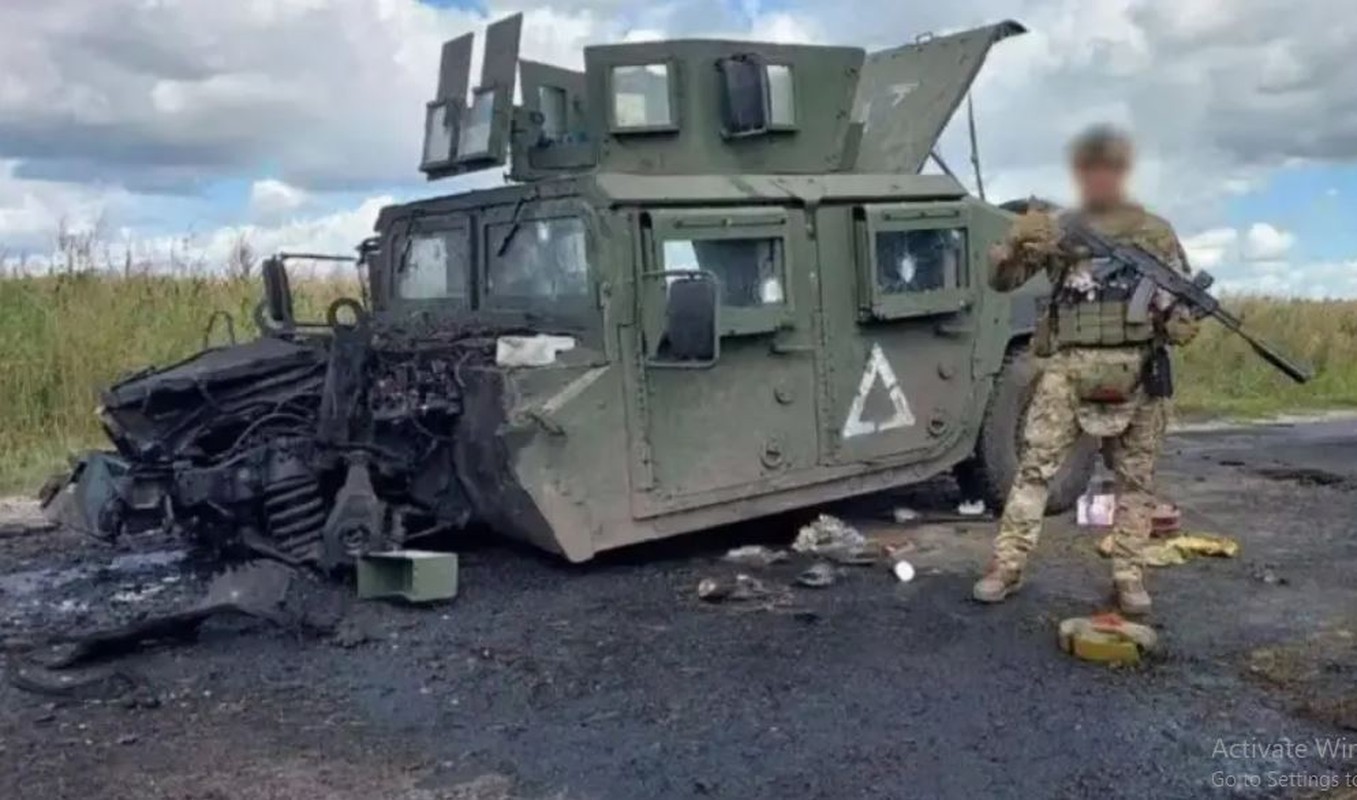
(992, 468)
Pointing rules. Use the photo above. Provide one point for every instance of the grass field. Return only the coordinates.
(64, 337)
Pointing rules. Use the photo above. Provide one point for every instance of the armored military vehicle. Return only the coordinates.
(717, 285)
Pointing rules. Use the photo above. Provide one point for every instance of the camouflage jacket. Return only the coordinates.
(1032, 247)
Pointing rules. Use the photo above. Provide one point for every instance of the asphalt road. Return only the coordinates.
(612, 680)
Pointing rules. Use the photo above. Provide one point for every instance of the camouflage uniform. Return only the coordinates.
(1132, 430)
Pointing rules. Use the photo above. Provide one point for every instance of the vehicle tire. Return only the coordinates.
(989, 473)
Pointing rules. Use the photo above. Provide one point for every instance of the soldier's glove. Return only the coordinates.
(1036, 231)
(1180, 327)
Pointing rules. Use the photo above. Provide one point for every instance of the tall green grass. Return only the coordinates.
(63, 337)
(1219, 375)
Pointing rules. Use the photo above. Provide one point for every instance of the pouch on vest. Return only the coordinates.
(1099, 324)
(1107, 383)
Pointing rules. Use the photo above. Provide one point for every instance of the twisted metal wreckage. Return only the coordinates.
(310, 445)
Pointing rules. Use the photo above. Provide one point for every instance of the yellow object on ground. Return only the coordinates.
(1107, 639)
(1179, 549)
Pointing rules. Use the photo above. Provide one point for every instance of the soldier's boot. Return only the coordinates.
(997, 583)
(1132, 598)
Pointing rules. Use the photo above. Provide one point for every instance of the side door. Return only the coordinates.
(900, 329)
(743, 417)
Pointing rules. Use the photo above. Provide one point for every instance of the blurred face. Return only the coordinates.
(1101, 183)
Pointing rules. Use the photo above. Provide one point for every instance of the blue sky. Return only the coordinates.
(289, 122)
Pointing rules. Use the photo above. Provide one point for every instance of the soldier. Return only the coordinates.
(1097, 377)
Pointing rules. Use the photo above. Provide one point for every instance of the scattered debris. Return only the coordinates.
(415, 576)
(1107, 639)
(1205, 544)
(742, 588)
(756, 555)
(836, 540)
(257, 589)
(1166, 519)
(1096, 510)
(892, 541)
(531, 351)
(972, 508)
(828, 533)
(905, 516)
(903, 570)
(1177, 550)
(1268, 575)
(820, 575)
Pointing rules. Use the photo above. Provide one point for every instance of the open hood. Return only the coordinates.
(907, 95)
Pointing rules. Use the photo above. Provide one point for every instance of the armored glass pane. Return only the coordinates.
(641, 96)
(437, 135)
(546, 261)
(919, 260)
(551, 102)
(750, 271)
(434, 266)
(475, 133)
(781, 95)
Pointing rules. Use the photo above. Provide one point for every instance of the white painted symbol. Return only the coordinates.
(877, 367)
(899, 91)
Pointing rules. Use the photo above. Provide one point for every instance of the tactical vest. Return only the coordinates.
(1099, 305)
(1096, 303)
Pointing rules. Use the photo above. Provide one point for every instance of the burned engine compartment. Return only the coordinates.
(310, 445)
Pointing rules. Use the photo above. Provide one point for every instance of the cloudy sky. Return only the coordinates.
(292, 121)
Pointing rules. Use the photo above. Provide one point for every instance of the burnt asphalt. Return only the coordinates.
(612, 680)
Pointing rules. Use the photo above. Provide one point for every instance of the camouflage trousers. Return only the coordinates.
(1055, 422)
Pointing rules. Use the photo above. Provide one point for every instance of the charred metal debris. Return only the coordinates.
(311, 445)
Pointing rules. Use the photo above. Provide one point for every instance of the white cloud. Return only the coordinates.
(1208, 249)
(102, 104)
(272, 199)
(1264, 242)
(1315, 280)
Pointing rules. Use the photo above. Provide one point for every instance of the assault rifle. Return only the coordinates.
(1156, 275)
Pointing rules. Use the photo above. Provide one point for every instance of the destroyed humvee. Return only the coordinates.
(719, 285)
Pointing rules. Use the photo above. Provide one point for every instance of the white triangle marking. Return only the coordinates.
(877, 367)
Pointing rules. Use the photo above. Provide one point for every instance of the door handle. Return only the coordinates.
(783, 349)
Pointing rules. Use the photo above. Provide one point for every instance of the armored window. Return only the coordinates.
(913, 259)
(750, 271)
(437, 135)
(538, 263)
(433, 266)
(924, 260)
(781, 96)
(553, 104)
(642, 97)
(474, 141)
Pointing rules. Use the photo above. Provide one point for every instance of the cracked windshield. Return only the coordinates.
(545, 261)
